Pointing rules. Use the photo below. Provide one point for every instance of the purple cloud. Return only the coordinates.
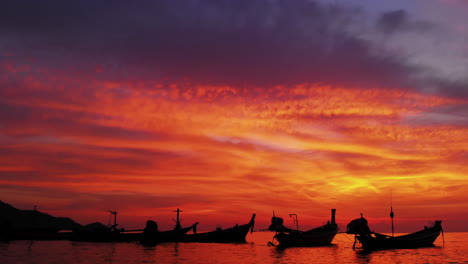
(213, 42)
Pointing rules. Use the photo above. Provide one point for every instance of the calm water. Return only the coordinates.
(255, 251)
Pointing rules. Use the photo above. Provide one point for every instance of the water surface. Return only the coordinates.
(255, 250)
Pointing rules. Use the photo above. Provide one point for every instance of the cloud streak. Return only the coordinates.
(203, 104)
(223, 42)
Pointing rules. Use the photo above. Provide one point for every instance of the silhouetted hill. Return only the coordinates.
(13, 218)
(96, 226)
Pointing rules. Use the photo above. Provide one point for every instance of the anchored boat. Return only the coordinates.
(372, 240)
(320, 236)
(151, 235)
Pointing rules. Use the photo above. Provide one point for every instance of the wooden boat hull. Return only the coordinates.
(152, 238)
(230, 235)
(321, 236)
(423, 238)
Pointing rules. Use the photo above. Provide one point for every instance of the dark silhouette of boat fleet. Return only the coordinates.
(284, 236)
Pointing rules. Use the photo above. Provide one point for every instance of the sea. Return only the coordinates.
(452, 247)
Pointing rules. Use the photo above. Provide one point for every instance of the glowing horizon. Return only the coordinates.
(236, 116)
(324, 148)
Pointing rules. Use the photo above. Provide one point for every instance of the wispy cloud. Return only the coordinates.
(200, 104)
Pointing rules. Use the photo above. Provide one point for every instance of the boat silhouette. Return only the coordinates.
(98, 232)
(374, 241)
(320, 236)
(229, 235)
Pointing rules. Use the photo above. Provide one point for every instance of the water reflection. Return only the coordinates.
(363, 257)
(149, 253)
(109, 253)
(176, 249)
(324, 254)
(277, 252)
(256, 251)
(401, 255)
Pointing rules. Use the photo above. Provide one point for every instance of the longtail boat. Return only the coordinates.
(101, 233)
(320, 236)
(374, 241)
(151, 235)
(229, 235)
(97, 232)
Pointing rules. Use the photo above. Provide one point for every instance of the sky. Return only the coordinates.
(227, 108)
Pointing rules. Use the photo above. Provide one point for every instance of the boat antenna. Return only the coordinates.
(177, 227)
(294, 217)
(391, 211)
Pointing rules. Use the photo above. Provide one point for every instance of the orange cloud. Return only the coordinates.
(305, 148)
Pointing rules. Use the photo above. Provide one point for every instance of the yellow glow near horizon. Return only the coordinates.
(292, 146)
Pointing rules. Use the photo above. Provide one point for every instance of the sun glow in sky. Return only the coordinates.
(235, 114)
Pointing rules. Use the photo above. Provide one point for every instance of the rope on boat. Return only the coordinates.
(443, 238)
(271, 243)
(354, 244)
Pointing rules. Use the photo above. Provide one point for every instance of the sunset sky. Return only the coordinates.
(231, 107)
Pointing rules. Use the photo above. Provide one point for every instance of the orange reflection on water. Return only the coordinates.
(254, 251)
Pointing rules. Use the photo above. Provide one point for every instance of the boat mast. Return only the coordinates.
(177, 227)
(391, 211)
(294, 216)
(391, 216)
(114, 213)
(333, 212)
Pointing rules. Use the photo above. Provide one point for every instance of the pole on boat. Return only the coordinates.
(391, 216)
(114, 213)
(177, 218)
(391, 210)
(333, 212)
(294, 216)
